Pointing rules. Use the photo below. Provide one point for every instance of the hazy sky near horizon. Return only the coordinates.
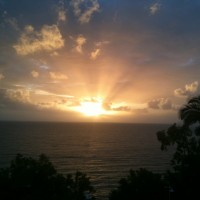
(129, 61)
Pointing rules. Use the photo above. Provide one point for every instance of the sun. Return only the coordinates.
(91, 108)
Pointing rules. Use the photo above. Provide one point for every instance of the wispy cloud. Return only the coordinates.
(83, 11)
(102, 43)
(57, 76)
(13, 23)
(98, 49)
(61, 12)
(41, 63)
(48, 38)
(8, 20)
(123, 107)
(154, 8)
(46, 93)
(189, 90)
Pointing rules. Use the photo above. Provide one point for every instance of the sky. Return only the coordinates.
(134, 61)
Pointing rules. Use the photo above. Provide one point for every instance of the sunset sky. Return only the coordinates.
(98, 60)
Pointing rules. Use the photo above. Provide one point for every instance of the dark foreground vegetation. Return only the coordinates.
(183, 181)
(32, 179)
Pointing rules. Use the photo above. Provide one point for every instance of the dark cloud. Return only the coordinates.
(161, 103)
(124, 108)
(12, 100)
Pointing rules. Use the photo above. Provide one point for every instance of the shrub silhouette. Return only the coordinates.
(31, 179)
(140, 185)
(185, 177)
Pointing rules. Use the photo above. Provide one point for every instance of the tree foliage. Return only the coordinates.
(186, 159)
(140, 185)
(32, 179)
(190, 113)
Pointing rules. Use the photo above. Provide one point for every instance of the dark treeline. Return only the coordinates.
(37, 179)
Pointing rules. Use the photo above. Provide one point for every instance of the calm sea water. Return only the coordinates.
(106, 152)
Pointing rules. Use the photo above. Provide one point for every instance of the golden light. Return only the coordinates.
(91, 108)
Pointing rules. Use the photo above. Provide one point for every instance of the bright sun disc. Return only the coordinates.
(91, 108)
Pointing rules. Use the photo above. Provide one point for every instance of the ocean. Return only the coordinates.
(104, 151)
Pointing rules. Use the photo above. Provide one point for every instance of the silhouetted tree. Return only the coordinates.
(185, 177)
(140, 185)
(183, 181)
(185, 138)
(31, 179)
(190, 113)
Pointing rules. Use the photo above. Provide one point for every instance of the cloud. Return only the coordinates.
(130, 109)
(122, 108)
(188, 91)
(161, 103)
(80, 41)
(46, 93)
(58, 76)
(29, 29)
(62, 16)
(139, 109)
(15, 99)
(19, 95)
(55, 53)
(35, 74)
(84, 12)
(13, 23)
(41, 63)
(61, 12)
(12, 100)
(2, 76)
(98, 48)
(154, 8)
(102, 43)
(94, 54)
(48, 38)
